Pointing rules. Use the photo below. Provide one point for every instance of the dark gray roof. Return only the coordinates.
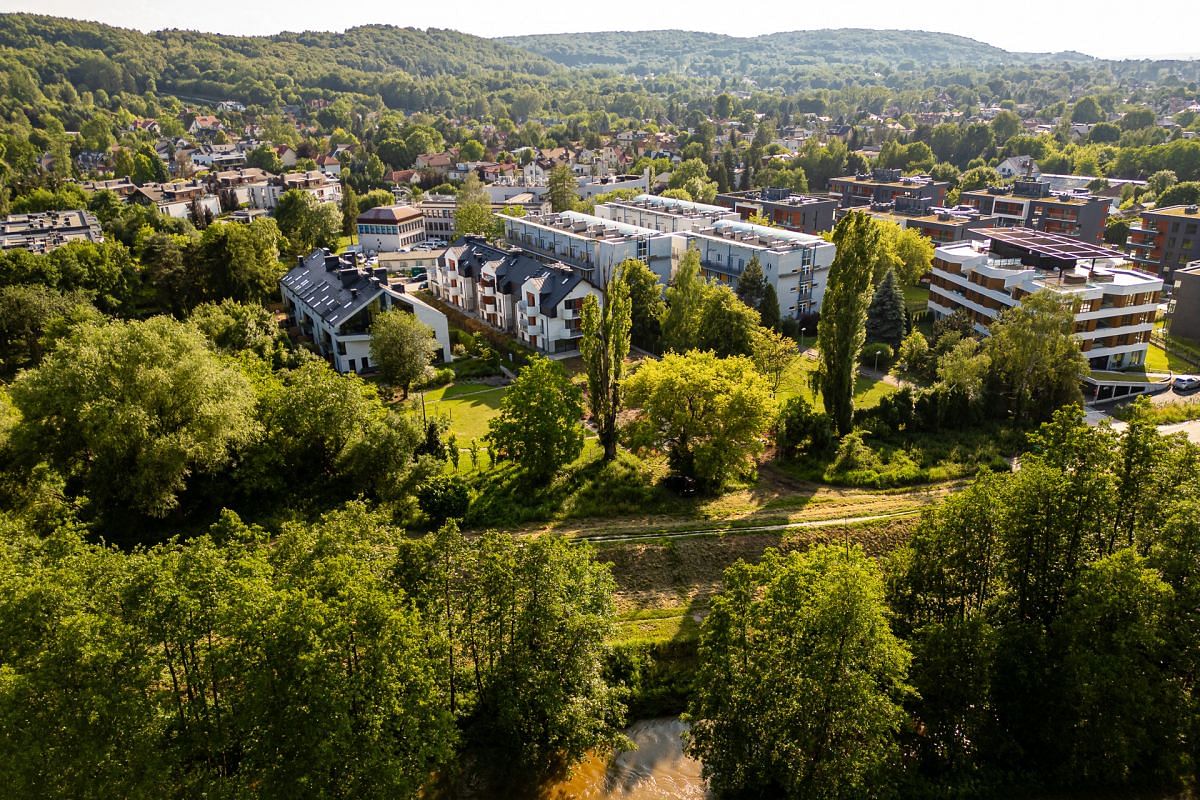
(516, 267)
(335, 289)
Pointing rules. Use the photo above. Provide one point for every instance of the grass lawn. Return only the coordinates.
(468, 405)
(915, 298)
(867, 392)
(1159, 360)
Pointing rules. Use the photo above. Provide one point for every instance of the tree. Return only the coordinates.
(132, 410)
(444, 497)
(1160, 181)
(1137, 118)
(28, 313)
(471, 151)
(647, 307)
(841, 331)
(538, 424)
(1087, 111)
(913, 357)
(814, 626)
(265, 158)
(241, 262)
(707, 413)
(1037, 366)
(473, 209)
(886, 320)
(604, 347)
(402, 347)
(726, 325)
(1186, 193)
(685, 306)
(773, 353)
(350, 210)
(306, 223)
(561, 186)
(752, 284)
(234, 327)
(1005, 125)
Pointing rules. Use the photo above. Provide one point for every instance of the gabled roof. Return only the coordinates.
(513, 269)
(335, 290)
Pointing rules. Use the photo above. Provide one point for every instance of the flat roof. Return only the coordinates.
(908, 182)
(1174, 211)
(1051, 245)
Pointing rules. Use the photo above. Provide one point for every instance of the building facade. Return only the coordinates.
(1166, 240)
(784, 208)
(386, 229)
(940, 224)
(1031, 203)
(334, 301)
(884, 186)
(795, 264)
(540, 304)
(1114, 305)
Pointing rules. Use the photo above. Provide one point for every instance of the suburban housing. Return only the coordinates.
(334, 300)
(44, 231)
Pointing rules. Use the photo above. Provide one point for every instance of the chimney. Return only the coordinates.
(381, 273)
(354, 293)
(348, 277)
(331, 262)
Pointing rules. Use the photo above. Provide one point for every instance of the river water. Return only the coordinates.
(656, 770)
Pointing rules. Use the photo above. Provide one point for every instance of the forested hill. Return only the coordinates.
(692, 53)
(406, 66)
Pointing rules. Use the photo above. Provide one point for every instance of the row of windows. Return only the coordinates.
(390, 230)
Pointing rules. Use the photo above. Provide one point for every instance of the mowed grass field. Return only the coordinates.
(796, 381)
(468, 406)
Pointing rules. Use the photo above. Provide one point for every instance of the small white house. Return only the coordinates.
(386, 229)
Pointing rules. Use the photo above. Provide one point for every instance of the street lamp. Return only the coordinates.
(877, 361)
(802, 330)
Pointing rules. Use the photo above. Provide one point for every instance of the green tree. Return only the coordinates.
(28, 314)
(265, 158)
(773, 353)
(1087, 110)
(237, 262)
(647, 306)
(306, 223)
(473, 209)
(708, 413)
(234, 327)
(471, 150)
(685, 306)
(561, 186)
(841, 331)
(538, 424)
(752, 284)
(727, 325)
(132, 410)
(604, 347)
(402, 347)
(886, 321)
(768, 310)
(1037, 366)
(814, 626)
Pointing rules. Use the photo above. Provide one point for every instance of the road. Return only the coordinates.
(1190, 429)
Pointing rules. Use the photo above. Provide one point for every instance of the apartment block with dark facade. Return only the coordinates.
(1183, 313)
(884, 186)
(1030, 203)
(784, 208)
(1167, 239)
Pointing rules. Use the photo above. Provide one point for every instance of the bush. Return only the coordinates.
(433, 378)
(444, 497)
(800, 429)
(884, 352)
(854, 454)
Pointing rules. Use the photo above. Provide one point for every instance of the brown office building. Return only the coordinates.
(1183, 314)
(1167, 239)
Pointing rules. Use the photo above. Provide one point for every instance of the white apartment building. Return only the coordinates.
(795, 264)
(386, 229)
(1115, 305)
(594, 246)
(334, 301)
(540, 304)
(664, 214)
(321, 186)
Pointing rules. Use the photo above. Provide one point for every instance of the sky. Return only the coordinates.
(1103, 28)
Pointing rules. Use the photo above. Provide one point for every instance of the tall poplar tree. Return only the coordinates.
(604, 347)
(842, 331)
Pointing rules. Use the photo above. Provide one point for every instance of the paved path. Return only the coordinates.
(1191, 429)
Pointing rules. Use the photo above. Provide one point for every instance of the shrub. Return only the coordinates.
(869, 352)
(854, 454)
(801, 429)
(444, 497)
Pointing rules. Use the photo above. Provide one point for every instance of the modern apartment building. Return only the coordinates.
(541, 304)
(1183, 313)
(784, 208)
(665, 214)
(324, 188)
(1030, 203)
(795, 264)
(884, 186)
(334, 300)
(1114, 304)
(935, 222)
(592, 245)
(44, 231)
(439, 209)
(386, 229)
(1166, 239)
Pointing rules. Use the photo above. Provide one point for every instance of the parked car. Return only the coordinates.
(1187, 383)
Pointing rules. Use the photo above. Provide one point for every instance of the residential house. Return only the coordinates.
(333, 300)
(783, 207)
(233, 186)
(324, 188)
(122, 187)
(438, 164)
(592, 245)
(181, 200)
(329, 165)
(1114, 305)
(541, 304)
(1018, 167)
(389, 228)
(795, 264)
(1166, 240)
(204, 124)
(44, 231)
